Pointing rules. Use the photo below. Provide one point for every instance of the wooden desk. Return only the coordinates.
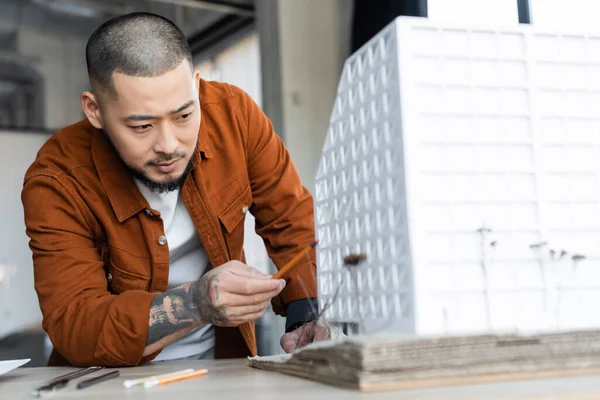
(232, 379)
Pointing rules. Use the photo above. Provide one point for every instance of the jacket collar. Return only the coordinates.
(203, 146)
(123, 194)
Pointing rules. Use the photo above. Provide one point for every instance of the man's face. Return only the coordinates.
(153, 125)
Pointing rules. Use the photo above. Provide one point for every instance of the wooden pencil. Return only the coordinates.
(175, 378)
(287, 267)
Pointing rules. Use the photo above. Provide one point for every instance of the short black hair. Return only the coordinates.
(135, 44)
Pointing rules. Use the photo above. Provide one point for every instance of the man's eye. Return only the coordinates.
(142, 127)
(185, 116)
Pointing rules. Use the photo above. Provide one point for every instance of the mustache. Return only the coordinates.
(165, 158)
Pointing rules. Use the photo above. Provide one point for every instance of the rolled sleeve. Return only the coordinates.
(87, 324)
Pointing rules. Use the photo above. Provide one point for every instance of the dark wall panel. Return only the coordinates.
(370, 16)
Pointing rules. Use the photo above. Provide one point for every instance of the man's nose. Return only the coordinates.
(167, 141)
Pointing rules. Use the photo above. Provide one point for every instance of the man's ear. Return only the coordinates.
(91, 108)
(197, 79)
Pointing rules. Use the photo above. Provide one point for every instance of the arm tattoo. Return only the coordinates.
(185, 306)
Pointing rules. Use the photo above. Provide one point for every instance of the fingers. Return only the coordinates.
(321, 332)
(306, 334)
(289, 342)
(298, 338)
(244, 293)
(250, 286)
(309, 333)
(241, 269)
(236, 300)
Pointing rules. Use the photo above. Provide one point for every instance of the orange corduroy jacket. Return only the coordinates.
(97, 257)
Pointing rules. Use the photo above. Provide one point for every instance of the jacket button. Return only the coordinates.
(244, 209)
(162, 240)
(149, 213)
(109, 277)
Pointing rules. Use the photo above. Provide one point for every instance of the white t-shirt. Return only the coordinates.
(187, 262)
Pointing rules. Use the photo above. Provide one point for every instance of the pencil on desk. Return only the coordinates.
(175, 378)
(287, 267)
(97, 379)
(140, 381)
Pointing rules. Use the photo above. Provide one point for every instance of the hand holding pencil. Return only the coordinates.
(234, 293)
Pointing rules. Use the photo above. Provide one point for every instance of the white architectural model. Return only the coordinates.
(464, 162)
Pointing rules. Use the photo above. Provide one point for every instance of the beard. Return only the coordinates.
(160, 187)
(165, 186)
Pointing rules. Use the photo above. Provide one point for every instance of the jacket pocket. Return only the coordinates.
(232, 219)
(121, 280)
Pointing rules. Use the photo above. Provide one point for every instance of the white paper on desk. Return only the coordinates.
(9, 365)
(276, 358)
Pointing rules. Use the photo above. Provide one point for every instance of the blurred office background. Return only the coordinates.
(287, 54)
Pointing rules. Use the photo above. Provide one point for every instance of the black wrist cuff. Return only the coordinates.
(300, 312)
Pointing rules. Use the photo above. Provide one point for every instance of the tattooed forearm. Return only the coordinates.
(180, 309)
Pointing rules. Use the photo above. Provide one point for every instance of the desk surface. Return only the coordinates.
(230, 379)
